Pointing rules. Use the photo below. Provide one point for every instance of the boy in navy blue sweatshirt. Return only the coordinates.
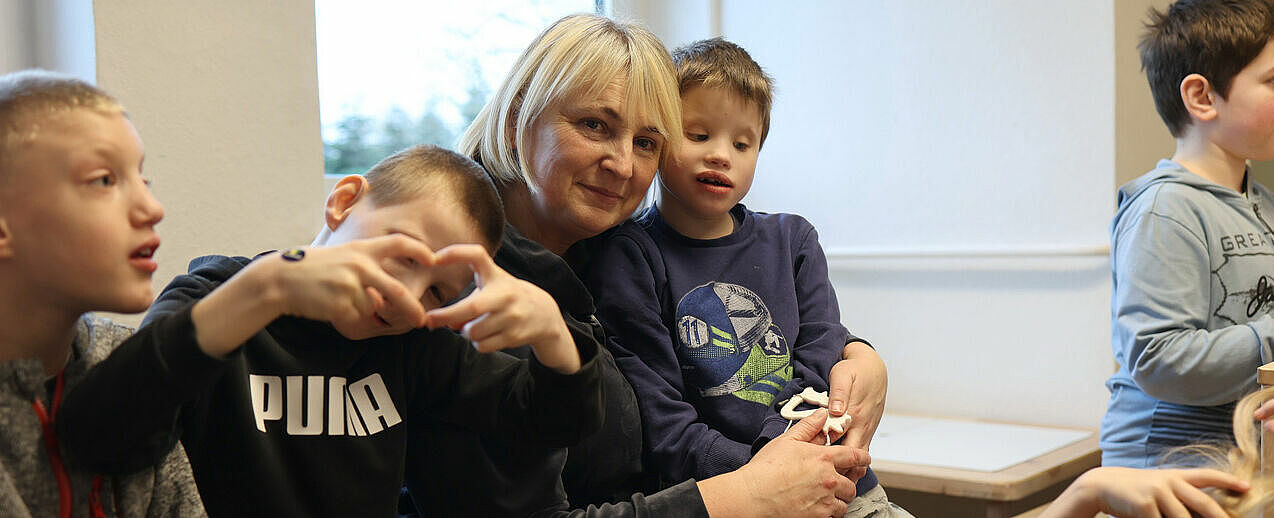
(720, 314)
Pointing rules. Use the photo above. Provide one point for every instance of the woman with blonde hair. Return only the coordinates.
(573, 138)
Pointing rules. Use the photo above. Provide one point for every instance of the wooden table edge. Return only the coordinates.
(1012, 483)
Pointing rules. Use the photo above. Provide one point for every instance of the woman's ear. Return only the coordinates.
(1199, 97)
(344, 196)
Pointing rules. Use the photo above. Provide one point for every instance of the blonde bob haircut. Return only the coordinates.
(578, 55)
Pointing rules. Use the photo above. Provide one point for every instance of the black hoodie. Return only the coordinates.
(301, 421)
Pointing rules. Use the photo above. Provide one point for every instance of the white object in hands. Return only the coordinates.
(812, 397)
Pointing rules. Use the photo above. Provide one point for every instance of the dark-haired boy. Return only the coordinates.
(1192, 249)
(721, 313)
(77, 234)
(293, 378)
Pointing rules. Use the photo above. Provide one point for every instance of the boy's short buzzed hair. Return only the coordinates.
(1213, 38)
(717, 63)
(414, 171)
(28, 96)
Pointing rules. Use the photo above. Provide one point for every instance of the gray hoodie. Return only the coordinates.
(28, 485)
(1193, 267)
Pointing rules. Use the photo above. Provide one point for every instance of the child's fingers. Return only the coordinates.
(473, 255)
(457, 315)
(487, 326)
(398, 245)
(1203, 477)
(838, 388)
(493, 332)
(1197, 500)
(834, 436)
(854, 436)
(856, 473)
(1265, 411)
(387, 292)
(374, 297)
(498, 342)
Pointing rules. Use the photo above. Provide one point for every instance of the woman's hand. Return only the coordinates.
(793, 475)
(857, 386)
(1144, 493)
(506, 312)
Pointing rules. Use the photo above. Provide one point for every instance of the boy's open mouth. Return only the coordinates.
(713, 178)
(146, 251)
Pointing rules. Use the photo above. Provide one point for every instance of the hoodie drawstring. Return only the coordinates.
(55, 457)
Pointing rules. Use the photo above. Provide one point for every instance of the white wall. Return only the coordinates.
(960, 165)
(50, 34)
(15, 37)
(225, 96)
(64, 37)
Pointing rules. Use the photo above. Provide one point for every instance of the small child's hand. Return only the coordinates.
(506, 312)
(856, 386)
(1265, 413)
(1135, 493)
(344, 285)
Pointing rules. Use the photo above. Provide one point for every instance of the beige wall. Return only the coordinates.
(1141, 139)
(225, 96)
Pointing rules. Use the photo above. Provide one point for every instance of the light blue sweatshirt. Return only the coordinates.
(1193, 267)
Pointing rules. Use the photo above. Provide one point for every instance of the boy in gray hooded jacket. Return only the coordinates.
(77, 234)
(1192, 249)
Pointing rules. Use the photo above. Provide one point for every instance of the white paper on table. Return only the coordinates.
(964, 444)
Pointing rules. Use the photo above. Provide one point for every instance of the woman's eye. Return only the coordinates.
(697, 137)
(647, 143)
(592, 124)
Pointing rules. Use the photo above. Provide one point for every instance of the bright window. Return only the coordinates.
(394, 73)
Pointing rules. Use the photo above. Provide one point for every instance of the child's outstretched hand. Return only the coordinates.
(1138, 493)
(347, 286)
(506, 312)
(343, 284)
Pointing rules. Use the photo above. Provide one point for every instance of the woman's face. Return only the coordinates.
(592, 161)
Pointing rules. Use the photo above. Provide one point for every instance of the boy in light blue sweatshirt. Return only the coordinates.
(1192, 249)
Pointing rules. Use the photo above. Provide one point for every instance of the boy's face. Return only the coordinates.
(1245, 118)
(434, 220)
(78, 217)
(714, 168)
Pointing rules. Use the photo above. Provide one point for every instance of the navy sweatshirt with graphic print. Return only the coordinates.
(714, 334)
